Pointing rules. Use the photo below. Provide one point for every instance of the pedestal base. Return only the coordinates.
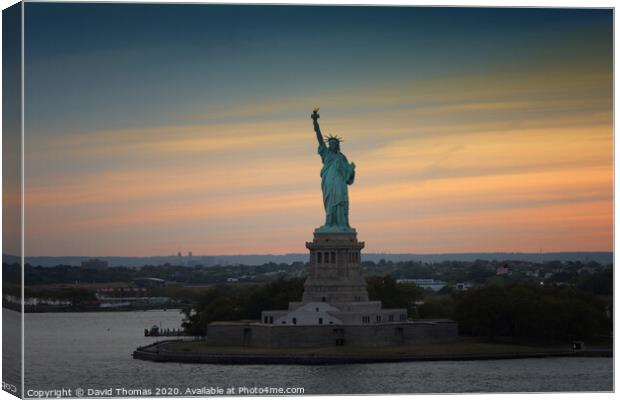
(335, 274)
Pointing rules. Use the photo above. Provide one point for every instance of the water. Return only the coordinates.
(93, 350)
(11, 351)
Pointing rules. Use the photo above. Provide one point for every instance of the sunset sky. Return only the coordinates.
(151, 129)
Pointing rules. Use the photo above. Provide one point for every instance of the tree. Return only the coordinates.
(530, 312)
(392, 294)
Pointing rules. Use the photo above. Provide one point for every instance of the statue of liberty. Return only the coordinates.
(336, 174)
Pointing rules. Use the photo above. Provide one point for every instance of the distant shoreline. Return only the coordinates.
(73, 309)
(604, 257)
(164, 351)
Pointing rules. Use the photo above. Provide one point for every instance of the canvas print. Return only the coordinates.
(212, 199)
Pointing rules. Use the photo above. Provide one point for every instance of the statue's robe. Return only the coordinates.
(336, 174)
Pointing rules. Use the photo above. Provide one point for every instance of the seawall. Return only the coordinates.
(160, 352)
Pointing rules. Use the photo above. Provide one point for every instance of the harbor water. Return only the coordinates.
(93, 351)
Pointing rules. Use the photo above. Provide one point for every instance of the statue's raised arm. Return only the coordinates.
(315, 121)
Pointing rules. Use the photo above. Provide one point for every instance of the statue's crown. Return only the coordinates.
(333, 137)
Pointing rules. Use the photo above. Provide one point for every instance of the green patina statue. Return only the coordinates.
(336, 174)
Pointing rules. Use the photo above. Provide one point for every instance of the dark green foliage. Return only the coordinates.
(530, 312)
(600, 283)
(181, 274)
(70, 274)
(238, 302)
(437, 306)
(392, 294)
(274, 295)
(479, 274)
(11, 273)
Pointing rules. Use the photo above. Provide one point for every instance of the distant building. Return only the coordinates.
(149, 282)
(274, 273)
(431, 284)
(462, 286)
(95, 263)
(189, 254)
(502, 270)
(119, 291)
(132, 301)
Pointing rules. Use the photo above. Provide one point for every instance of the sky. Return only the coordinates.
(152, 129)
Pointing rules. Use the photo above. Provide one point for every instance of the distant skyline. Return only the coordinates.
(157, 128)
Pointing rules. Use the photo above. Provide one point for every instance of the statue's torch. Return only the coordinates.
(315, 114)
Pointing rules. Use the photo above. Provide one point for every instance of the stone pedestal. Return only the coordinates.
(335, 274)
